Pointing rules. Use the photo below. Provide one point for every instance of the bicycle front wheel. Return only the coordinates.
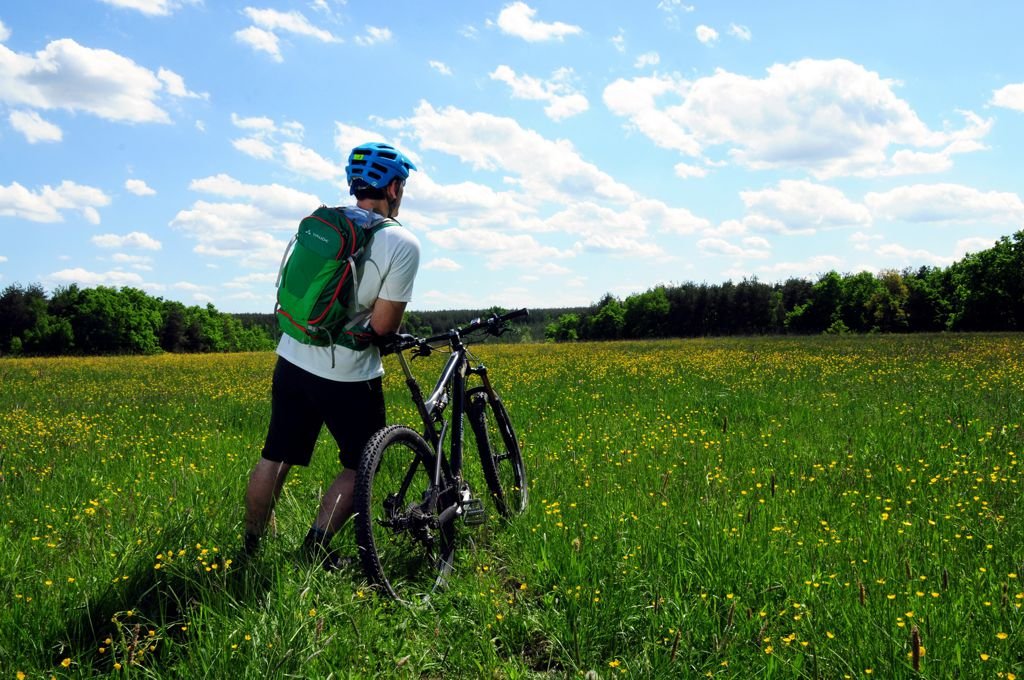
(500, 457)
(404, 547)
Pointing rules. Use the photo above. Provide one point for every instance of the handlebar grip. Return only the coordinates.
(515, 314)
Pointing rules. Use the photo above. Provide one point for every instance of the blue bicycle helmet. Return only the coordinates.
(375, 164)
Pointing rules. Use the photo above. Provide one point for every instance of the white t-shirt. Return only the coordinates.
(387, 271)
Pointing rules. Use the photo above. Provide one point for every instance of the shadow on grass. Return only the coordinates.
(144, 616)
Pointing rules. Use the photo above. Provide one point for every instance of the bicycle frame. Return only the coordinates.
(431, 410)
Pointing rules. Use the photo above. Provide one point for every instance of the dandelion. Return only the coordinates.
(66, 662)
(984, 657)
(1002, 636)
(614, 663)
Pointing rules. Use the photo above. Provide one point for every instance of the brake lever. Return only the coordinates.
(422, 351)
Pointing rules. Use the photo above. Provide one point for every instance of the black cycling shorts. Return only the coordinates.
(301, 403)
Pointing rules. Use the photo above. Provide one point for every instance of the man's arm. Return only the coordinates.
(387, 316)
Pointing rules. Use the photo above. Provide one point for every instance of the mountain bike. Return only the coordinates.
(411, 491)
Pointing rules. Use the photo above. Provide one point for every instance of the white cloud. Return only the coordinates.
(440, 67)
(810, 268)
(862, 241)
(619, 41)
(66, 75)
(374, 36)
(685, 171)
(308, 162)
(243, 231)
(517, 19)
(706, 34)
(142, 263)
(672, 8)
(755, 248)
(647, 59)
(830, 118)
(501, 249)
(636, 100)
(138, 187)
(563, 100)
(259, 123)
(135, 239)
(175, 85)
(288, 22)
(603, 229)
(275, 199)
(912, 256)
(261, 41)
(972, 245)
(254, 147)
(48, 204)
(1010, 97)
(87, 279)
(945, 203)
(442, 264)
(151, 7)
(236, 231)
(348, 137)
(741, 32)
(264, 134)
(34, 128)
(545, 169)
(5, 32)
(800, 204)
(264, 279)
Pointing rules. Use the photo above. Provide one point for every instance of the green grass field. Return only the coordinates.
(723, 508)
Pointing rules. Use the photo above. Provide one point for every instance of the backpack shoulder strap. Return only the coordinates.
(382, 223)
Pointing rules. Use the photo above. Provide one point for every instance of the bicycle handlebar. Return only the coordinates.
(494, 324)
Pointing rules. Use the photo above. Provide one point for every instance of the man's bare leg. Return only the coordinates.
(265, 484)
(335, 509)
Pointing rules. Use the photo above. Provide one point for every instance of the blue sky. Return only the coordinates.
(566, 149)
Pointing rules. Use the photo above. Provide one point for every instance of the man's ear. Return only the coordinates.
(392, 191)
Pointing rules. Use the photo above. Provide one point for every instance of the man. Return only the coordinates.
(336, 386)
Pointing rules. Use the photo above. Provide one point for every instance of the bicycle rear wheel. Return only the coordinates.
(403, 547)
(500, 457)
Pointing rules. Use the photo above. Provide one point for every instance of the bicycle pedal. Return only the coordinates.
(473, 512)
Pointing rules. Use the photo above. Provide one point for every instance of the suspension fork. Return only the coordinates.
(458, 416)
(417, 398)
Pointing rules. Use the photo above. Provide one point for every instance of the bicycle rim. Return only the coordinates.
(500, 456)
(401, 548)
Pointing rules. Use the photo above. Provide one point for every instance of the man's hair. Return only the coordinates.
(371, 193)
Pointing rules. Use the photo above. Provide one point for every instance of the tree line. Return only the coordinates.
(106, 320)
(982, 292)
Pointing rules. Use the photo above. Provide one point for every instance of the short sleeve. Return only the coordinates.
(401, 273)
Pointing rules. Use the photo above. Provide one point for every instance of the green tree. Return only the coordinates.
(645, 315)
(856, 292)
(20, 310)
(887, 306)
(821, 309)
(608, 321)
(564, 329)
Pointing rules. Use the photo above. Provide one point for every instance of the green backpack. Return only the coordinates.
(317, 281)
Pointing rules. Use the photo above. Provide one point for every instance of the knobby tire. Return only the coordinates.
(400, 554)
(500, 456)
